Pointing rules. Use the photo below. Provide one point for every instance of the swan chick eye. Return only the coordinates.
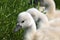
(22, 22)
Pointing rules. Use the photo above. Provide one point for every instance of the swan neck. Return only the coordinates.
(51, 7)
(43, 18)
(43, 21)
(32, 28)
(30, 32)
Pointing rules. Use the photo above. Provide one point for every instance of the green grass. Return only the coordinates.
(9, 10)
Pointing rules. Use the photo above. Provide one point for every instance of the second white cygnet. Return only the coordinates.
(50, 6)
(38, 17)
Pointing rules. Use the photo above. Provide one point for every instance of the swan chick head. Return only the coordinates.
(34, 12)
(47, 3)
(24, 21)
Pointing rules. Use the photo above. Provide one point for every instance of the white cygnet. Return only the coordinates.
(38, 17)
(51, 12)
(26, 21)
(42, 21)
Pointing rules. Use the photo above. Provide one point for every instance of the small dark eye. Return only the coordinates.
(22, 22)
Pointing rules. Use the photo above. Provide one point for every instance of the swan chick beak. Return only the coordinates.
(17, 28)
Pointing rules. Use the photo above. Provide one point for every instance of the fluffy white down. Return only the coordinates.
(52, 13)
(55, 22)
(39, 17)
(45, 33)
(26, 21)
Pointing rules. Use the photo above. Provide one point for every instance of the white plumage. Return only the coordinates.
(47, 30)
(38, 17)
(51, 13)
(25, 20)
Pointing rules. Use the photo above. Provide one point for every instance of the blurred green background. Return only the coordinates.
(9, 10)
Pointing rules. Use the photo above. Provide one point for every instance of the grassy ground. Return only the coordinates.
(9, 9)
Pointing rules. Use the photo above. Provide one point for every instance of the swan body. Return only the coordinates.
(48, 34)
(55, 22)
